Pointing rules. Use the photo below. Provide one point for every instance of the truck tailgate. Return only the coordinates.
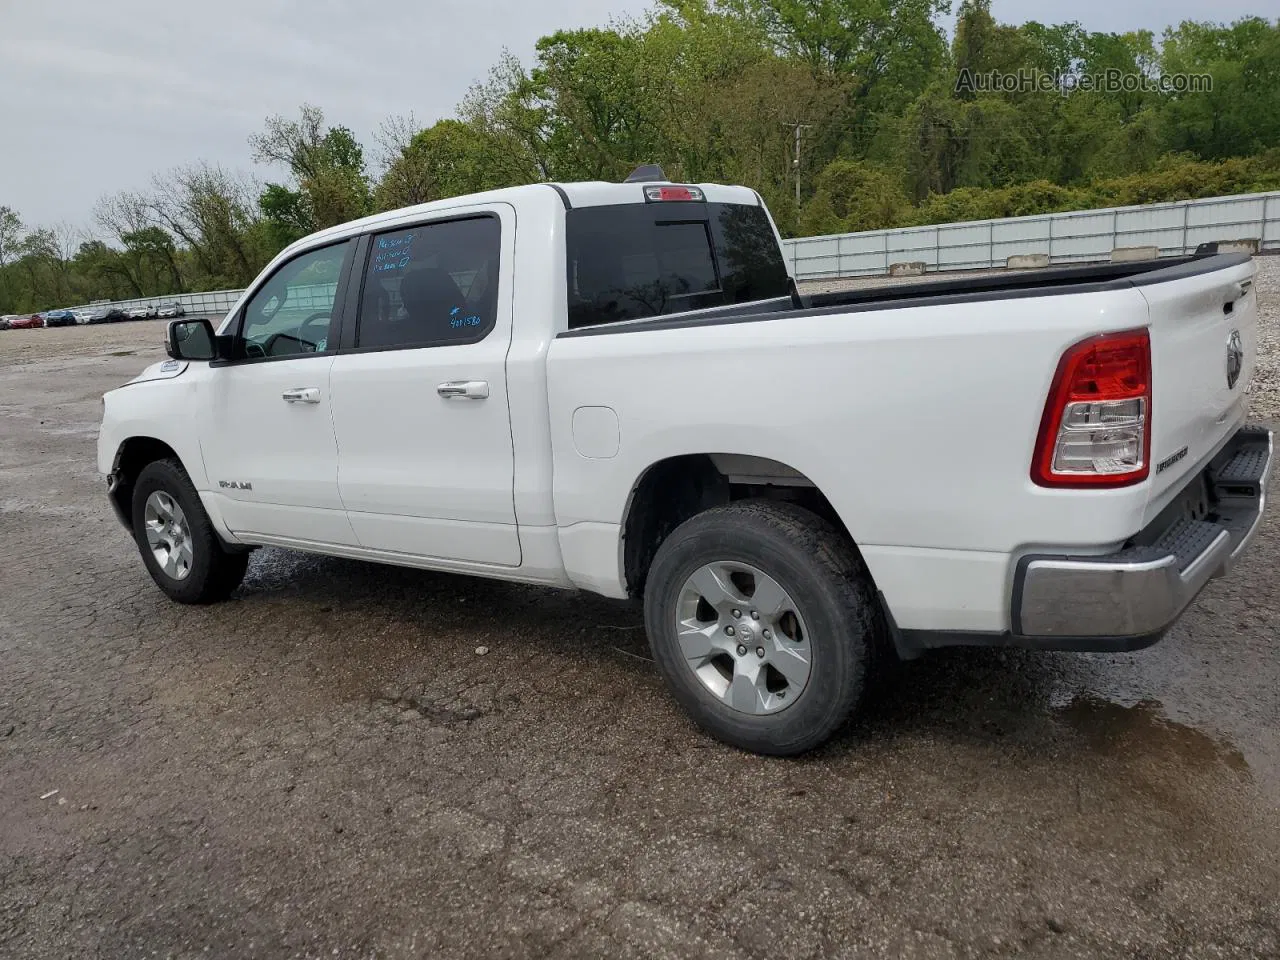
(1203, 346)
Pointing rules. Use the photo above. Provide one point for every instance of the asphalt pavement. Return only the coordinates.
(328, 765)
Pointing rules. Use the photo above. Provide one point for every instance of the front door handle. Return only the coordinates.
(302, 395)
(466, 389)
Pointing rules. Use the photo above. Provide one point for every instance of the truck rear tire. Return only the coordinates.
(176, 539)
(764, 622)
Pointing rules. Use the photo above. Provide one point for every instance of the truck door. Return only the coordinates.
(425, 460)
(267, 437)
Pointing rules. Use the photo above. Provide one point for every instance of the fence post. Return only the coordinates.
(1052, 220)
(1186, 214)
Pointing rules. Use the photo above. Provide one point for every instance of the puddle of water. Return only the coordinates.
(1111, 728)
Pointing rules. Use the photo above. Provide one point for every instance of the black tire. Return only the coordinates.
(821, 571)
(215, 571)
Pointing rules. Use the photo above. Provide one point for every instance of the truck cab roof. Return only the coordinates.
(594, 193)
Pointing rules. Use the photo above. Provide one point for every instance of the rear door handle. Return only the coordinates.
(466, 389)
(302, 395)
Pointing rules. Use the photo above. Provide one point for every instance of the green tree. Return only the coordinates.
(10, 234)
(1241, 114)
(596, 87)
(862, 38)
(853, 196)
(447, 159)
(287, 214)
(328, 168)
(504, 108)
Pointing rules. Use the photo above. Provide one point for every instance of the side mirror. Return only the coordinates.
(190, 340)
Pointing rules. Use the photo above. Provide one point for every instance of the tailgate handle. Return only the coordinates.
(1238, 291)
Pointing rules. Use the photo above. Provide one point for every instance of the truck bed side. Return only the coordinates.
(917, 421)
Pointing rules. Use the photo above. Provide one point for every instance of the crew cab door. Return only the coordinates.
(425, 461)
(267, 436)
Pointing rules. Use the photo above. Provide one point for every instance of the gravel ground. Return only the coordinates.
(326, 766)
(1266, 375)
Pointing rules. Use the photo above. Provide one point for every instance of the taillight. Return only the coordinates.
(1096, 428)
(657, 193)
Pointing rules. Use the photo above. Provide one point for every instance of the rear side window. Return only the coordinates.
(431, 285)
(633, 260)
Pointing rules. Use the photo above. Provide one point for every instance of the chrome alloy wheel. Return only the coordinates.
(168, 535)
(743, 637)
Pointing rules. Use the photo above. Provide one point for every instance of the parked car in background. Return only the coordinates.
(98, 314)
(60, 318)
(4, 322)
(26, 321)
(82, 315)
(116, 314)
(171, 310)
(139, 313)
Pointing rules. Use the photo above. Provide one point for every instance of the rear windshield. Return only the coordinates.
(641, 260)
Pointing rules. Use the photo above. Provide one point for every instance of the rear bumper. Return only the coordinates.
(1128, 599)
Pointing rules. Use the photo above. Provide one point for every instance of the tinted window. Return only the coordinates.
(432, 284)
(291, 313)
(642, 260)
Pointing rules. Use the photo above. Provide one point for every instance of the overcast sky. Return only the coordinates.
(96, 95)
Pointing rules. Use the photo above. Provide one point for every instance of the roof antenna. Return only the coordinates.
(646, 173)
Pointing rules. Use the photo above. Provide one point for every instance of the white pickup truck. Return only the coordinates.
(618, 388)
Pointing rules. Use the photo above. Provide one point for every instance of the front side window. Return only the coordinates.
(431, 285)
(292, 312)
(644, 260)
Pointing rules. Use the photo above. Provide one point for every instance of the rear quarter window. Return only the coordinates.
(628, 261)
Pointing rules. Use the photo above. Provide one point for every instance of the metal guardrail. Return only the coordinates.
(218, 303)
(1085, 235)
(210, 302)
(1175, 228)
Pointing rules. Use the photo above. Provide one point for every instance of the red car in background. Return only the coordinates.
(26, 322)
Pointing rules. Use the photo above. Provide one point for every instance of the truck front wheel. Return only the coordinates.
(176, 539)
(764, 622)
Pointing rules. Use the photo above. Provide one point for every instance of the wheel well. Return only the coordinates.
(134, 454)
(673, 490)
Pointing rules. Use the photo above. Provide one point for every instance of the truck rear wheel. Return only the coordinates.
(176, 539)
(763, 621)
